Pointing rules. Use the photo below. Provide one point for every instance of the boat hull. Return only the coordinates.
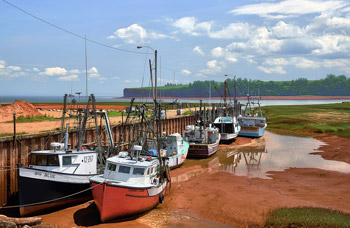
(253, 132)
(37, 194)
(224, 137)
(115, 201)
(202, 150)
(178, 159)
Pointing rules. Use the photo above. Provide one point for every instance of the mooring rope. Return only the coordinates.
(52, 200)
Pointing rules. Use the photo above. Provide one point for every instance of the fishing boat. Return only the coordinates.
(228, 128)
(227, 123)
(131, 184)
(176, 149)
(203, 141)
(58, 176)
(252, 122)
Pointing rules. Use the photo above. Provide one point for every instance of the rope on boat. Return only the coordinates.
(52, 200)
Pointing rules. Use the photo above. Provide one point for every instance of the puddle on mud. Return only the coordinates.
(272, 152)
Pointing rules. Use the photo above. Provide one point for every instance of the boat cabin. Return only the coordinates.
(133, 171)
(59, 160)
(172, 144)
(252, 121)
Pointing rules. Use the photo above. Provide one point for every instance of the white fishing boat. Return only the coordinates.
(176, 149)
(252, 122)
(228, 127)
(60, 176)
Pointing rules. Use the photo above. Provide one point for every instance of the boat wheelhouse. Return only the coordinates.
(228, 127)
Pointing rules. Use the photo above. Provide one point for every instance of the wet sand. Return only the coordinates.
(221, 199)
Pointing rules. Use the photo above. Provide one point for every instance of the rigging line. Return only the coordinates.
(69, 32)
(52, 200)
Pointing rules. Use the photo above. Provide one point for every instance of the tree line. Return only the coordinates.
(332, 85)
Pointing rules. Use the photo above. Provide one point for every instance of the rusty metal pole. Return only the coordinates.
(14, 130)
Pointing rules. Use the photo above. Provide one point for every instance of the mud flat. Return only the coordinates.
(208, 193)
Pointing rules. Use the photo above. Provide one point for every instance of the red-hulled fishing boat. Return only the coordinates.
(131, 184)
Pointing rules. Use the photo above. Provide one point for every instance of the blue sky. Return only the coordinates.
(196, 40)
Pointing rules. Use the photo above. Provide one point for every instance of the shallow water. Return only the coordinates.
(273, 152)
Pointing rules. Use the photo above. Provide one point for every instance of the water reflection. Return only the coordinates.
(272, 152)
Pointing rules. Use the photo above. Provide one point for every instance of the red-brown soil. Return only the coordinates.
(59, 106)
(21, 108)
(219, 198)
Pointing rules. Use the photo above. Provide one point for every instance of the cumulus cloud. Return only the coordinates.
(212, 67)
(115, 77)
(233, 30)
(217, 52)
(272, 70)
(2, 64)
(186, 72)
(69, 78)
(51, 71)
(136, 34)
(93, 73)
(289, 8)
(189, 25)
(198, 51)
(14, 68)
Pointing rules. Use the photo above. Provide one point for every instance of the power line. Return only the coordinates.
(69, 32)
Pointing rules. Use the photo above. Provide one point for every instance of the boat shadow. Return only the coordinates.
(90, 216)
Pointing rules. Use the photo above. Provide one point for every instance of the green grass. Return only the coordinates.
(22, 119)
(307, 217)
(8, 134)
(189, 112)
(323, 118)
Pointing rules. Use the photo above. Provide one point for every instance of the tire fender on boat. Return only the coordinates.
(161, 198)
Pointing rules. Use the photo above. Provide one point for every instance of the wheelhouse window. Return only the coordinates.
(44, 160)
(124, 169)
(52, 160)
(112, 166)
(139, 171)
(67, 160)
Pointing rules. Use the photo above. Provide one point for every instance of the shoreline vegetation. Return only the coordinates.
(331, 85)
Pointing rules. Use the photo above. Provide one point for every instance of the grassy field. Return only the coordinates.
(307, 217)
(324, 118)
(22, 119)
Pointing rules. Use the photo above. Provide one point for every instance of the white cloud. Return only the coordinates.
(332, 44)
(115, 77)
(69, 78)
(51, 71)
(272, 70)
(213, 67)
(189, 25)
(186, 72)
(212, 63)
(299, 62)
(217, 52)
(135, 34)
(342, 64)
(2, 64)
(198, 50)
(233, 30)
(289, 8)
(35, 69)
(14, 68)
(283, 30)
(74, 71)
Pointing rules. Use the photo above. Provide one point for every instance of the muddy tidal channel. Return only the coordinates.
(237, 187)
